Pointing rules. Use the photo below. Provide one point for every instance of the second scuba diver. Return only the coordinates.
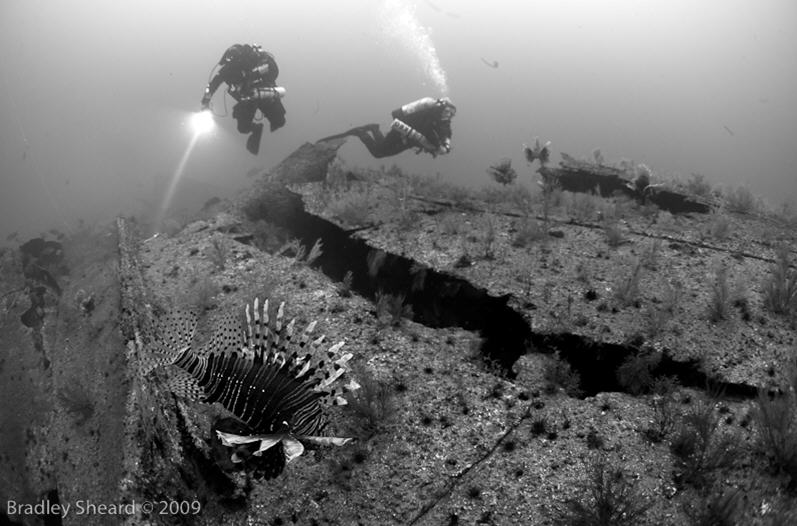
(250, 74)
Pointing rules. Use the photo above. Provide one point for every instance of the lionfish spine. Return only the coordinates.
(259, 372)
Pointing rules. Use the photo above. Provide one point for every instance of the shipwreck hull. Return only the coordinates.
(576, 175)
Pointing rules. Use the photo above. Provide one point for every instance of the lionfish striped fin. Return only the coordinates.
(228, 336)
(151, 360)
(269, 379)
(282, 342)
(278, 326)
(324, 367)
(269, 346)
(184, 385)
(172, 335)
(176, 330)
(299, 356)
(258, 333)
(335, 395)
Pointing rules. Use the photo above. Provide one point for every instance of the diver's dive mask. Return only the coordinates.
(449, 110)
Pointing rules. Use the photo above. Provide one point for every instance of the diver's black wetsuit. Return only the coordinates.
(428, 122)
(244, 69)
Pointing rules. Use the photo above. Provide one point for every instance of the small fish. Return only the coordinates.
(493, 64)
(728, 130)
(277, 387)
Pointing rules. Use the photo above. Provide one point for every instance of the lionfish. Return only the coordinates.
(503, 172)
(277, 387)
(539, 151)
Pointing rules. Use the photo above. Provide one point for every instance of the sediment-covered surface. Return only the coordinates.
(607, 270)
(64, 383)
(468, 316)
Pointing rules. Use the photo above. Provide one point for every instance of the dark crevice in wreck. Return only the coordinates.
(52, 515)
(597, 364)
(5, 520)
(442, 300)
(448, 301)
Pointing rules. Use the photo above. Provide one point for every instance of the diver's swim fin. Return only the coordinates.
(336, 136)
(253, 142)
(354, 131)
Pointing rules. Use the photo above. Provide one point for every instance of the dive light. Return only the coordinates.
(202, 122)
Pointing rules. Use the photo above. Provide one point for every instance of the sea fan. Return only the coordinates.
(503, 172)
(275, 386)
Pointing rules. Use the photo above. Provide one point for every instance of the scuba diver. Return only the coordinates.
(424, 124)
(250, 74)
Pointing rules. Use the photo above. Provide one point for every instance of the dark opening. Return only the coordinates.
(597, 365)
(437, 299)
(444, 300)
(53, 517)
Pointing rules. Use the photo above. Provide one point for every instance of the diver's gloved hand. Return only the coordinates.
(425, 144)
(205, 102)
(430, 149)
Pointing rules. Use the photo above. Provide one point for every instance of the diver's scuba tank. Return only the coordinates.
(267, 94)
(413, 107)
(411, 133)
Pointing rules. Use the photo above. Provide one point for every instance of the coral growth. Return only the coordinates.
(502, 172)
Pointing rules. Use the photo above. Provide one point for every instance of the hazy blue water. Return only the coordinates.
(94, 94)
